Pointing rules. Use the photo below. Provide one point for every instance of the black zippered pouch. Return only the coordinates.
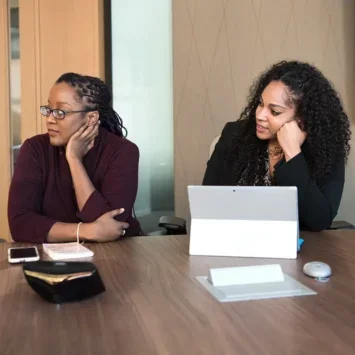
(60, 282)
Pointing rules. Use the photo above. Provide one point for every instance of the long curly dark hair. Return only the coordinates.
(320, 110)
(95, 95)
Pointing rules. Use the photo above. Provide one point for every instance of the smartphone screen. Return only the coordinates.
(21, 253)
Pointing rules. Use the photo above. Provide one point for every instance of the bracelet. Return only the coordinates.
(77, 232)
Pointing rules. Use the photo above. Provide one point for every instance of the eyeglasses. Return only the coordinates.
(57, 113)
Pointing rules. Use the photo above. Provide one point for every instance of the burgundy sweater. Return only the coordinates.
(42, 191)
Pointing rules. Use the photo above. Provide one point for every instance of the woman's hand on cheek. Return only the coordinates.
(291, 137)
(81, 142)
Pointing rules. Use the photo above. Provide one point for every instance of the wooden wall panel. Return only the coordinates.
(29, 68)
(58, 37)
(5, 156)
(55, 37)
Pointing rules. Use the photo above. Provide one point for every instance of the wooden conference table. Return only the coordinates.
(154, 305)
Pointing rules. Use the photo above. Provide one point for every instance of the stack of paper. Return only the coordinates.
(62, 251)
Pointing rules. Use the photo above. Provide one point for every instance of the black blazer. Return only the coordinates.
(318, 202)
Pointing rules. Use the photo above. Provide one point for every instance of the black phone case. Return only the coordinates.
(67, 290)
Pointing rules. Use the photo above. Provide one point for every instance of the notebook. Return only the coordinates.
(62, 251)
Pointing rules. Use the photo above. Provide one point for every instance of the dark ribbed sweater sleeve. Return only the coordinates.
(26, 222)
(118, 188)
(317, 205)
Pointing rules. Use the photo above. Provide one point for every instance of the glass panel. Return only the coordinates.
(15, 82)
(143, 97)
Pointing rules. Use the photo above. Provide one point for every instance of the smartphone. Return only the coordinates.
(22, 254)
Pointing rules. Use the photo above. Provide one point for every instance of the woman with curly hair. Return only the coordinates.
(293, 132)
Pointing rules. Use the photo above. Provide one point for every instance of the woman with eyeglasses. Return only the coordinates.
(78, 181)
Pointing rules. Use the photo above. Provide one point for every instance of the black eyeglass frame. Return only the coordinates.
(49, 111)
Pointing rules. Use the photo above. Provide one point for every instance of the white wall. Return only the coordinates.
(143, 93)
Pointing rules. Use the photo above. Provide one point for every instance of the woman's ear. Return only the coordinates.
(92, 118)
